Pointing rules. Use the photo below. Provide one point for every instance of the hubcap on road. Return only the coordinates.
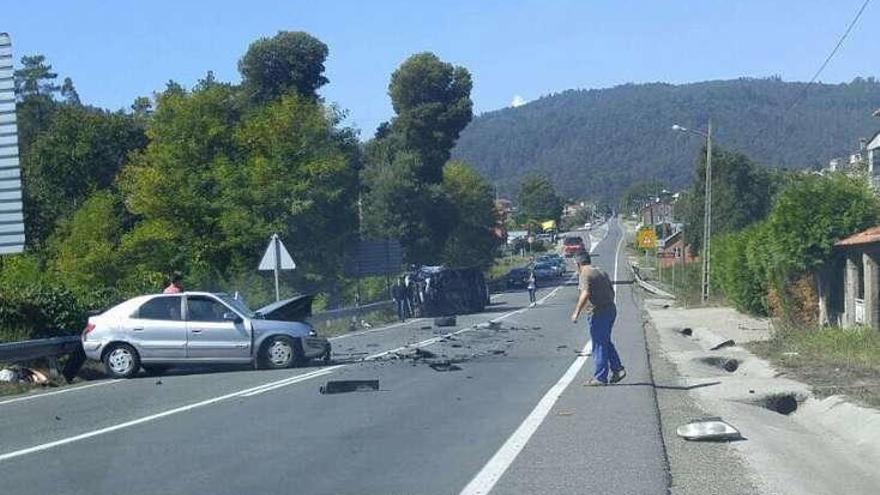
(120, 360)
(280, 352)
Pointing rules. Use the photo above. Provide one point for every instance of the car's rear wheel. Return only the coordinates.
(281, 351)
(121, 361)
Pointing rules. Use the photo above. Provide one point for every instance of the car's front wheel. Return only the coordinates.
(121, 361)
(280, 352)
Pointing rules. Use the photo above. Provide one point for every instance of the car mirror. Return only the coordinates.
(230, 316)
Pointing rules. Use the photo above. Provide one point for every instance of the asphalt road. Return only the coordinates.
(515, 418)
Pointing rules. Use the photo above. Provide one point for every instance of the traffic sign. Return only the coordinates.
(647, 238)
(276, 258)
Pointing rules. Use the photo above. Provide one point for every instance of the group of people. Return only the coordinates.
(407, 294)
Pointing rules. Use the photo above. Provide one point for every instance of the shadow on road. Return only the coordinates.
(667, 387)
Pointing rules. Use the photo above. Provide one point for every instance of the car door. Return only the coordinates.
(211, 335)
(157, 329)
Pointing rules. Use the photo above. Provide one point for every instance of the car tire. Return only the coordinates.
(155, 369)
(281, 351)
(121, 361)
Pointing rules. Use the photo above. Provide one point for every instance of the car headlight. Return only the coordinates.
(312, 332)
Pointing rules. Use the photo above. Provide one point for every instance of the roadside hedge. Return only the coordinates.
(39, 311)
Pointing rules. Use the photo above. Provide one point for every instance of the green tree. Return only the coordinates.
(742, 193)
(470, 242)
(432, 101)
(80, 151)
(538, 200)
(216, 181)
(403, 174)
(35, 78)
(813, 212)
(84, 250)
(69, 93)
(290, 60)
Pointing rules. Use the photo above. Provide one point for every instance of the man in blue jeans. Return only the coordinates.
(597, 298)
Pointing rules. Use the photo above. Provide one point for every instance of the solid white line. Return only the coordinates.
(292, 380)
(486, 479)
(153, 417)
(60, 391)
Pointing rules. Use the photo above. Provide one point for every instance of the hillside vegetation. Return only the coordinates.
(594, 143)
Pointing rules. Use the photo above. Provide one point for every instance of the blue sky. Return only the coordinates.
(117, 50)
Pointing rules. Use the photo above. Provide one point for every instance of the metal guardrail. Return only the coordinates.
(648, 287)
(51, 348)
(39, 348)
(336, 314)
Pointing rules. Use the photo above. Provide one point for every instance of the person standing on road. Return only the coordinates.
(597, 298)
(532, 286)
(399, 295)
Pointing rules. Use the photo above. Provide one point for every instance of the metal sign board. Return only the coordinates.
(376, 257)
(276, 256)
(11, 217)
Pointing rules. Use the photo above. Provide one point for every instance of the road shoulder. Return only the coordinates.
(695, 468)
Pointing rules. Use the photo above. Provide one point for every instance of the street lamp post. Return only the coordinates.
(707, 208)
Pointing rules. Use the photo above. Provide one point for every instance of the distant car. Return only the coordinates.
(544, 271)
(160, 330)
(556, 261)
(587, 226)
(571, 245)
(518, 278)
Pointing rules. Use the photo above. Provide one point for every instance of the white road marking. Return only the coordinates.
(486, 479)
(290, 381)
(153, 417)
(60, 391)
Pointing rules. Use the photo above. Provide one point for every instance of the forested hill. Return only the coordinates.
(594, 143)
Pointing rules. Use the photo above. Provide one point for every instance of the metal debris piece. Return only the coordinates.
(708, 429)
(444, 365)
(565, 413)
(726, 343)
(563, 346)
(445, 321)
(423, 354)
(343, 386)
(686, 331)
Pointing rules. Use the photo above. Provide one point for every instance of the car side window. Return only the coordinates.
(160, 308)
(201, 308)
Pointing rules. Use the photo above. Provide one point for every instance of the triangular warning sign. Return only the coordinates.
(276, 250)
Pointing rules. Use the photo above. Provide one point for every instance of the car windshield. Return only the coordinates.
(237, 304)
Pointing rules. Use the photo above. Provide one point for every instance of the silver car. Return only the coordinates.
(160, 330)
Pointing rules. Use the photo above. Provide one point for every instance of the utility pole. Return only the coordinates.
(707, 219)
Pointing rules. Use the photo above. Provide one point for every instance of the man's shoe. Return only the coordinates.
(618, 375)
(594, 383)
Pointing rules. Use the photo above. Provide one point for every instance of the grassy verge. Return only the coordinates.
(831, 360)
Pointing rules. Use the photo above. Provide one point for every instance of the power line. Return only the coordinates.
(831, 55)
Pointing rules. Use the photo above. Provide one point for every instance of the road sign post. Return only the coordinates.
(276, 258)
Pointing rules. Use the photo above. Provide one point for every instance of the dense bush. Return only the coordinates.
(38, 311)
(766, 268)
